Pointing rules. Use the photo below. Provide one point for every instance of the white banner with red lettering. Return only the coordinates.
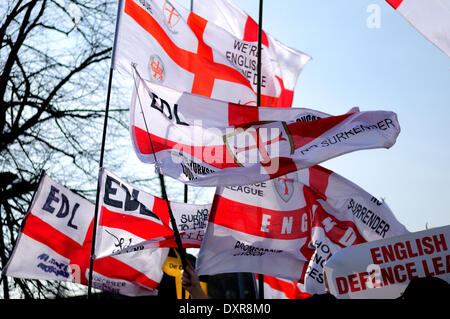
(382, 269)
(55, 244)
(203, 154)
(289, 226)
(179, 49)
(131, 219)
(285, 62)
(431, 18)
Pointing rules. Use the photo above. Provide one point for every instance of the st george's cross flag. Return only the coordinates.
(289, 226)
(277, 288)
(343, 214)
(255, 146)
(286, 62)
(431, 18)
(131, 219)
(260, 228)
(55, 244)
(179, 49)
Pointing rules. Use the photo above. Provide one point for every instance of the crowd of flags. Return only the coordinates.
(194, 114)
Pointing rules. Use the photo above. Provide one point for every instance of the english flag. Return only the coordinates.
(260, 228)
(131, 219)
(289, 226)
(431, 18)
(277, 288)
(179, 49)
(286, 62)
(249, 145)
(55, 244)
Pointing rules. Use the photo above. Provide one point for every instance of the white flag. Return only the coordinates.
(260, 144)
(261, 228)
(55, 244)
(131, 219)
(179, 49)
(431, 18)
(343, 214)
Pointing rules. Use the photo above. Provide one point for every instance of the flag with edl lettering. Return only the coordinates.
(256, 145)
(55, 244)
(131, 219)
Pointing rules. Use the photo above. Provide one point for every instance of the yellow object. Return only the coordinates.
(173, 268)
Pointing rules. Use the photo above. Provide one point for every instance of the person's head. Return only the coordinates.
(426, 288)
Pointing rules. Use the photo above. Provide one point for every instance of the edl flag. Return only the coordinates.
(383, 269)
(179, 49)
(257, 145)
(131, 219)
(55, 244)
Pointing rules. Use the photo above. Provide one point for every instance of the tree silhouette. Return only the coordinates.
(54, 60)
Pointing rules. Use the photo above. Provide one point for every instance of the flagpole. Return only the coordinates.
(176, 233)
(5, 266)
(258, 103)
(173, 222)
(183, 291)
(4, 262)
(102, 153)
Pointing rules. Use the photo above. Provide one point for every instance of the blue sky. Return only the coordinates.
(390, 67)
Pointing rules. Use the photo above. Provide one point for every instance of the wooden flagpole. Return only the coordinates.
(258, 103)
(102, 153)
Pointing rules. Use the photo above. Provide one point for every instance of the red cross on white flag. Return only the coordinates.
(235, 144)
(55, 244)
(251, 229)
(199, 57)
